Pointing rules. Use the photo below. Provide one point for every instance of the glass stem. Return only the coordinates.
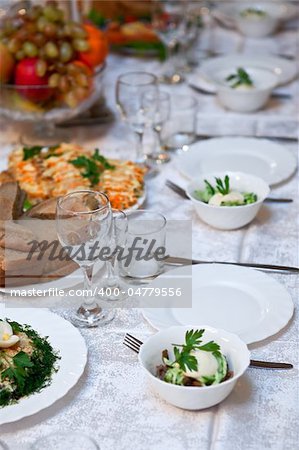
(158, 134)
(139, 148)
(111, 278)
(89, 302)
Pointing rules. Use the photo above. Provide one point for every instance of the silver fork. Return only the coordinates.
(134, 344)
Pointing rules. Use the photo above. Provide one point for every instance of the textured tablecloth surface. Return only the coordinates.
(112, 401)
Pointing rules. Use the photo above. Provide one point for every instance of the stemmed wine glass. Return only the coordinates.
(168, 23)
(157, 106)
(112, 288)
(130, 88)
(83, 222)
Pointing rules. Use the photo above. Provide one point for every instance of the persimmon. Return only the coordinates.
(98, 47)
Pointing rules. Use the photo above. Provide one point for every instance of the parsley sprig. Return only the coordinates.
(240, 78)
(16, 371)
(182, 353)
(35, 150)
(92, 170)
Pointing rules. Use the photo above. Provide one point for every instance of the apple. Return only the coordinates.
(25, 75)
(6, 64)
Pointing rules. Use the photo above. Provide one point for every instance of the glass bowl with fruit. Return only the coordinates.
(51, 68)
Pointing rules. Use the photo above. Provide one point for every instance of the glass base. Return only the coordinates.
(179, 140)
(171, 78)
(158, 158)
(90, 318)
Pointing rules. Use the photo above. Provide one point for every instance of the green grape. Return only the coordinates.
(39, 39)
(72, 69)
(41, 23)
(52, 13)
(14, 45)
(70, 99)
(20, 55)
(77, 31)
(81, 45)
(54, 80)
(41, 68)
(30, 49)
(64, 84)
(82, 80)
(50, 30)
(67, 29)
(65, 52)
(51, 50)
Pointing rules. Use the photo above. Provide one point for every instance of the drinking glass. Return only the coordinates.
(64, 441)
(113, 288)
(181, 128)
(158, 109)
(130, 88)
(146, 235)
(167, 21)
(83, 221)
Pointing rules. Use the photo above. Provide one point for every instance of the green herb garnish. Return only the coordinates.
(192, 342)
(26, 374)
(27, 205)
(92, 169)
(30, 152)
(241, 78)
(253, 11)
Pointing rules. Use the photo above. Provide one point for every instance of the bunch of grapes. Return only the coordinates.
(43, 33)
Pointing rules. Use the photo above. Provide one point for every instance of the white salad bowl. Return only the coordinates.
(229, 217)
(193, 397)
(245, 99)
(257, 27)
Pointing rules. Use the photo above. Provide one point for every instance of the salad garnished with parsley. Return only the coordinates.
(253, 13)
(194, 363)
(222, 195)
(240, 78)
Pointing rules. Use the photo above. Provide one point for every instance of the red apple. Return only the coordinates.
(25, 75)
(6, 64)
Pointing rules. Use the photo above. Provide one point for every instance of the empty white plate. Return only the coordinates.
(240, 300)
(260, 157)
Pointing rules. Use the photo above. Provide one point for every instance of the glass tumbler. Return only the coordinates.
(145, 247)
(180, 130)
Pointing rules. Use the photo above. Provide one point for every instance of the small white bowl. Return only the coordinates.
(191, 397)
(229, 217)
(256, 27)
(246, 100)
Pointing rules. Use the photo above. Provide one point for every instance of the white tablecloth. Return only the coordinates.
(112, 401)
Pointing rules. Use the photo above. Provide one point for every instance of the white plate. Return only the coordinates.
(285, 70)
(260, 157)
(65, 338)
(240, 300)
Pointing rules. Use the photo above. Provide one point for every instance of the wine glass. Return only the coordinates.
(168, 23)
(83, 221)
(112, 288)
(130, 88)
(157, 106)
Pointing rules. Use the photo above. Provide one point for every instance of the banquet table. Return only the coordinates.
(112, 401)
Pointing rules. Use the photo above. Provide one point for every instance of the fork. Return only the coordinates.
(182, 193)
(134, 344)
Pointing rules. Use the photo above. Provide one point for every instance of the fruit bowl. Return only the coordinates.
(24, 103)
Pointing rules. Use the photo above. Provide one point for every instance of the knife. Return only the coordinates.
(173, 260)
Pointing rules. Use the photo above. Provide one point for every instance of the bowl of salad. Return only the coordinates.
(227, 200)
(194, 368)
(244, 89)
(257, 21)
